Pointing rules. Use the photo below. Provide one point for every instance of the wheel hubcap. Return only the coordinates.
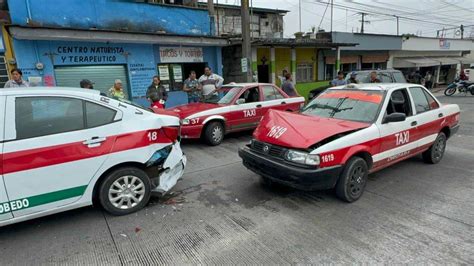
(126, 192)
(217, 134)
(439, 149)
(357, 181)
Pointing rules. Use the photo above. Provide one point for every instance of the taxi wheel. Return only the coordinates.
(125, 190)
(214, 133)
(351, 183)
(435, 153)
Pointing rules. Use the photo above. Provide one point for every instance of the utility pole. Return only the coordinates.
(398, 25)
(332, 12)
(212, 12)
(462, 31)
(246, 45)
(363, 21)
(300, 14)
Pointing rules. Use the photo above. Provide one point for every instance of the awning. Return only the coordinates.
(465, 60)
(53, 34)
(375, 58)
(414, 62)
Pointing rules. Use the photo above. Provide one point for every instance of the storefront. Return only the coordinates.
(66, 63)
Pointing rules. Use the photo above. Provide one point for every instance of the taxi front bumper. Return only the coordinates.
(279, 171)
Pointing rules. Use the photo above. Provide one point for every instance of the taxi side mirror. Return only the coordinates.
(394, 117)
(240, 101)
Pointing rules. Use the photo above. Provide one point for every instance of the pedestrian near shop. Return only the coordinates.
(373, 77)
(17, 80)
(289, 87)
(86, 84)
(210, 83)
(117, 90)
(417, 78)
(192, 88)
(156, 94)
(339, 80)
(428, 80)
(353, 78)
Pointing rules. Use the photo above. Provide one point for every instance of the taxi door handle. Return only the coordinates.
(258, 106)
(94, 141)
(440, 115)
(283, 102)
(414, 123)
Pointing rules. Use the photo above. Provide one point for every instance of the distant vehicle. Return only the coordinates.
(363, 76)
(241, 108)
(66, 148)
(348, 132)
(462, 86)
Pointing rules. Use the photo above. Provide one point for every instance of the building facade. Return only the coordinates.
(59, 43)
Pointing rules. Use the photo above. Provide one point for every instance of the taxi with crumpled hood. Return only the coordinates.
(348, 132)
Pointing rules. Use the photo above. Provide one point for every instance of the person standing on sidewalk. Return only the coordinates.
(428, 80)
(117, 91)
(17, 80)
(157, 94)
(192, 88)
(339, 80)
(210, 83)
(289, 87)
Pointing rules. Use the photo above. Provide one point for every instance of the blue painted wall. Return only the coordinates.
(110, 15)
(141, 61)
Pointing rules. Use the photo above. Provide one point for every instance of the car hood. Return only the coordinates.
(300, 131)
(186, 110)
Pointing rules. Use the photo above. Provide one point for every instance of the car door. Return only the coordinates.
(52, 150)
(397, 139)
(5, 207)
(273, 99)
(246, 111)
(427, 113)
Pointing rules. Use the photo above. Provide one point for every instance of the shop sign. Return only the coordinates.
(444, 44)
(164, 73)
(181, 54)
(244, 65)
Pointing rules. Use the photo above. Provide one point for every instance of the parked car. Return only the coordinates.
(363, 76)
(66, 148)
(240, 108)
(348, 132)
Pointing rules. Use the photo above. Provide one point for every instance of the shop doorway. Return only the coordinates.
(263, 73)
(103, 76)
(172, 76)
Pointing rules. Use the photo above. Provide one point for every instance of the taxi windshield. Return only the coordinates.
(354, 105)
(226, 94)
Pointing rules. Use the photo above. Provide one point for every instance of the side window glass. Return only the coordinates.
(431, 100)
(40, 116)
(278, 94)
(251, 95)
(419, 99)
(399, 78)
(399, 103)
(269, 93)
(98, 115)
(385, 78)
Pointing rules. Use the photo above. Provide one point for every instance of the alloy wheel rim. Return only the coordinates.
(126, 192)
(357, 181)
(217, 134)
(439, 148)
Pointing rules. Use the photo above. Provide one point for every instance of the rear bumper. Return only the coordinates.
(280, 172)
(171, 171)
(454, 129)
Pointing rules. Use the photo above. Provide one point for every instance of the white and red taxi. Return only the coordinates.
(348, 132)
(64, 148)
(241, 108)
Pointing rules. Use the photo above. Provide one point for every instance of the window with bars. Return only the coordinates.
(3, 71)
(304, 72)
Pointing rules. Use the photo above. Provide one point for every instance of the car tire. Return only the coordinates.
(435, 153)
(124, 191)
(353, 179)
(214, 133)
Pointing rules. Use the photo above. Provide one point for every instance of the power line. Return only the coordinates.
(323, 16)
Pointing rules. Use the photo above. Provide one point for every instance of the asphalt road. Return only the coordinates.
(220, 214)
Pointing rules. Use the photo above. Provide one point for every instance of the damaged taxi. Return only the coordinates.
(348, 132)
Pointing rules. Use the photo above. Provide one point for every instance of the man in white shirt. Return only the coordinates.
(210, 83)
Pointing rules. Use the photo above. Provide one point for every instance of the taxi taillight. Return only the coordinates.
(171, 133)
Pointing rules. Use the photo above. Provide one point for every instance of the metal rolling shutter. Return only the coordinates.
(103, 76)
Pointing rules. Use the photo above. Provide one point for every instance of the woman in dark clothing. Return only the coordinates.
(157, 94)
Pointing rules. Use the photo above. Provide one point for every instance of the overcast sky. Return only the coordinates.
(425, 16)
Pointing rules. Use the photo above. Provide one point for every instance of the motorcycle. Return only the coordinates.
(460, 86)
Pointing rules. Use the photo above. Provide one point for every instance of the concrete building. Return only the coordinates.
(442, 57)
(59, 43)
